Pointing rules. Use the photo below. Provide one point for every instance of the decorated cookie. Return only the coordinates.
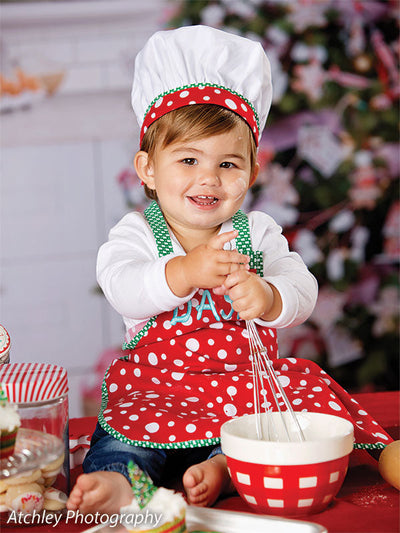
(3, 486)
(25, 498)
(54, 500)
(31, 476)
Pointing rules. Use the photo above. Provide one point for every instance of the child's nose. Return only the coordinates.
(210, 176)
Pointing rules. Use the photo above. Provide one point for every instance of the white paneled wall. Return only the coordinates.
(49, 183)
(58, 191)
(57, 204)
(93, 42)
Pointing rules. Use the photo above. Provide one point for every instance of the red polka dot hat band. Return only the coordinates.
(201, 94)
(197, 65)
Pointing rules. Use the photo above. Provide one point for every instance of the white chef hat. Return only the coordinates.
(197, 65)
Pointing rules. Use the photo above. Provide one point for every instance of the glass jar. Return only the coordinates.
(50, 417)
(41, 456)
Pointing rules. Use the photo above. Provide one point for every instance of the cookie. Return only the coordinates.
(51, 473)
(3, 506)
(26, 477)
(54, 465)
(25, 498)
(49, 481)
(3, 486)
(54, 500)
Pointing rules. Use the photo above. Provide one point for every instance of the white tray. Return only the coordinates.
(206, 519)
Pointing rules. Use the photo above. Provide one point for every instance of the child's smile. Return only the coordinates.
(204, 201)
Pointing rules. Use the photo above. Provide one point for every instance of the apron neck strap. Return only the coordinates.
(243, 241)
(156, 221)
(159, 227)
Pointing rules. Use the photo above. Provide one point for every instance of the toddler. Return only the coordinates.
(188, 273)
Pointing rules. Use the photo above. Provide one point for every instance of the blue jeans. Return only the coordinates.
(110, 454)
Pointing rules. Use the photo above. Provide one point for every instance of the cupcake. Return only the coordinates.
(155, 510)
(9, 424)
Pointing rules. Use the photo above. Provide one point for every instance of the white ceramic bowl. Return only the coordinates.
(288, 478)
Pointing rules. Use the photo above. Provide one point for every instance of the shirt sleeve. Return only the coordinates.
(285, 270)
(132, 275)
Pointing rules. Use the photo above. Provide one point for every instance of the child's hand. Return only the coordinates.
(252, 297)
(206, 266)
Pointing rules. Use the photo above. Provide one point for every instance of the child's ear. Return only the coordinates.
(254, 175)
(144, 168)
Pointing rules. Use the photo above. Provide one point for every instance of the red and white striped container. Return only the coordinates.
(33, 382)
(40, 391)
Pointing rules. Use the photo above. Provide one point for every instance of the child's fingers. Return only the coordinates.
(233, 256)
(245, 306)
(220, 291)
(238, 276)
(239, 266)
(227, 256)
(218, 241)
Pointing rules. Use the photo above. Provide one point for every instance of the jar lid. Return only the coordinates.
(4, 340)
(33, 382)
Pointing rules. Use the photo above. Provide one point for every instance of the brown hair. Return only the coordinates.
(192, 122)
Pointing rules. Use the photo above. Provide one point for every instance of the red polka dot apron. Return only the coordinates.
(188, 370)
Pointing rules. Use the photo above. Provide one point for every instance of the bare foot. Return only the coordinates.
(206, 481)
(103, 492)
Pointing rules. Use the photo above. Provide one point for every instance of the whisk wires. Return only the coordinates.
(265, 379)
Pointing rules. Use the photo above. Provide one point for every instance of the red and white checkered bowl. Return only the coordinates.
(288, 478)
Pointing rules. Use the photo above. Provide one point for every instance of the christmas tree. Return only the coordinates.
(330, 168)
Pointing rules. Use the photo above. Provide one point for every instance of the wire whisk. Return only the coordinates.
(266, 382)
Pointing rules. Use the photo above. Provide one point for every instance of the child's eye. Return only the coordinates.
(189, 161)
(227, 164)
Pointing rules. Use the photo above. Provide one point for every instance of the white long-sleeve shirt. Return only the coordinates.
(132, 275)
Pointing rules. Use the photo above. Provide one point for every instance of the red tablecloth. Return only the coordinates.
(365, 503)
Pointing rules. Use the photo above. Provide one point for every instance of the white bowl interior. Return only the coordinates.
(327, 437)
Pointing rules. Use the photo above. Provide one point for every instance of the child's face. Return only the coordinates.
(201, 183)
